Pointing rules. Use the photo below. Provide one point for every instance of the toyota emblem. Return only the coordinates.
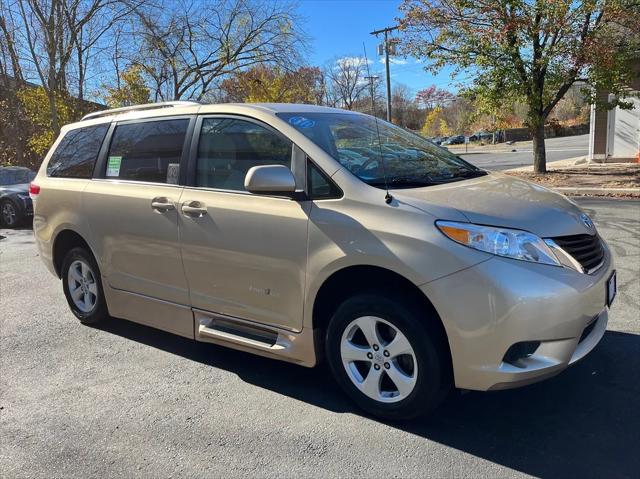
(586, 221)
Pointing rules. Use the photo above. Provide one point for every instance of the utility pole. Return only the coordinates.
(372, 80)
(386, 56)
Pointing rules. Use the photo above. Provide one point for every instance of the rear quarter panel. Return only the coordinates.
(58, 207)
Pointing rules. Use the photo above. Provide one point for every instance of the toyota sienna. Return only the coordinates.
(305, 233)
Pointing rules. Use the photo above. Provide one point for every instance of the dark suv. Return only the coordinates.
(15, 203)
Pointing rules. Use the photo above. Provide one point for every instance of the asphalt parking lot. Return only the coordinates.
(520, 154)
(124, 400)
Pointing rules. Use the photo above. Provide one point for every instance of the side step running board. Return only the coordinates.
(255, 338)
(237, 337)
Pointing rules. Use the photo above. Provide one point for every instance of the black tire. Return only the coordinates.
(10, 214)
(433, 380)
(99, 311)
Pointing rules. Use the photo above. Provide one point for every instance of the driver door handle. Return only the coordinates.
(194, 209)
(162, 204)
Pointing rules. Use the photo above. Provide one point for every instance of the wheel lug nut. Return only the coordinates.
(386, 353)
(376, 367)
(387, 365)
(370, 356)
(376, 347)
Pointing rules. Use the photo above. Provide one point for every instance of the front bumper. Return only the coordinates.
(488, 308)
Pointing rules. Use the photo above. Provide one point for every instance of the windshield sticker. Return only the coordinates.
(301, 122)
(113, 165)
(173, 170)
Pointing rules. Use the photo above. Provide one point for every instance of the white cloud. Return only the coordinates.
(352, 61)
(395, 61)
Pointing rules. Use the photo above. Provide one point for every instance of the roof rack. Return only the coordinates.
(148, 106)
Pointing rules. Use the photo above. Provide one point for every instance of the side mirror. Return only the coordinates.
(270, 180)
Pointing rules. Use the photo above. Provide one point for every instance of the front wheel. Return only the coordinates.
(387, 356)
(83, 287)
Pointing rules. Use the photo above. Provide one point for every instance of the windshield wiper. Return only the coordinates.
(459, 175)
(401, 183)
(470, 173)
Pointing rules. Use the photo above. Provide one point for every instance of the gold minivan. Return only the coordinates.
(305, 233)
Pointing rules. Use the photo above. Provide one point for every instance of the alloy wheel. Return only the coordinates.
(9, 213)
(379, 359)
(83, 287)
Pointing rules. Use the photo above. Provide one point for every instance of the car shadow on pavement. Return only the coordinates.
(583, 423)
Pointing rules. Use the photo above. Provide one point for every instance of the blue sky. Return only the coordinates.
(337, 28)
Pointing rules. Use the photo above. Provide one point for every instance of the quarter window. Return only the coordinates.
(319, 186)
(229, 147)
(75, 156)
(147, 151)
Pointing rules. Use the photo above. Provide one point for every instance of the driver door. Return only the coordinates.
(244, 255)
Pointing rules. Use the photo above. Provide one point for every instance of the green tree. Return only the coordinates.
(131, 89)
(527, 50)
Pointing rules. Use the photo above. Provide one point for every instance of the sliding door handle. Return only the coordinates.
(194, 209)
(162, 204)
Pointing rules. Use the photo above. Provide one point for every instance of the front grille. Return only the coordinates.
(586, 249)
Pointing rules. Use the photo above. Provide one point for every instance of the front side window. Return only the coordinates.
(147, 151)
(229, 147)
(76, 155)
(380, 153)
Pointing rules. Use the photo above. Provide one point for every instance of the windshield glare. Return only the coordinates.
(406, 159)
(16, 177)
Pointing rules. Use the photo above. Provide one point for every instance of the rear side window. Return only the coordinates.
(229, 147)
(76, 154)
(147, 151)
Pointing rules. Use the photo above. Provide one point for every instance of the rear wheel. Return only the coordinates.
(387, 356)
(11, 216)
(83, 287)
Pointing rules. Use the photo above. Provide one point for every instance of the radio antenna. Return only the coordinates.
(387, 197)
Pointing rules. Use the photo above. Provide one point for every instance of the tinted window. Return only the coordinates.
(147, 151)
(319, 185)
(228, 148)
(16, 176)
(76, 154)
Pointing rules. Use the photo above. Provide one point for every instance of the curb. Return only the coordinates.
(635, 192)
(569, 162)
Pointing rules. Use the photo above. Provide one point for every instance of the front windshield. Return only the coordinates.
(406, 159)
(16, 176)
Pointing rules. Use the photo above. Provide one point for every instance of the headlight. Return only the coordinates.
(516, 244)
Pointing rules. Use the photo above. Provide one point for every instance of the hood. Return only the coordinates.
(19, 188)
(501, 200)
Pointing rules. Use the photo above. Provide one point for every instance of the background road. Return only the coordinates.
(503, 158)
(125, 400)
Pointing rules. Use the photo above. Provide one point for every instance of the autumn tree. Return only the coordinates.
(14, 128)
(35, 104)
(131, 89)
(187, 47)
(55, 40)
(431, 126)
(432, 97)
(530, 50)
(263, 83)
